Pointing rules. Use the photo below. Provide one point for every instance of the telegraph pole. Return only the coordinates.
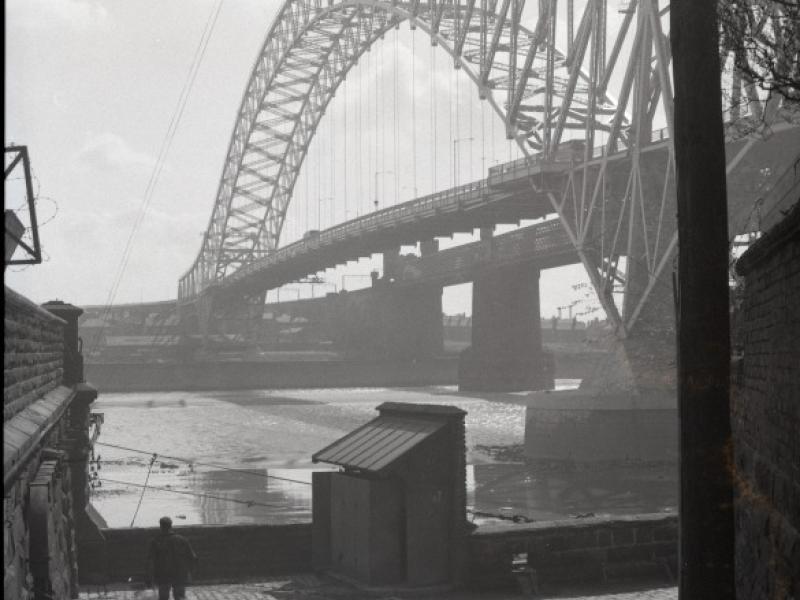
(706, 550)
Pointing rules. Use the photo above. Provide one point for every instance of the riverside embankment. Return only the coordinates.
(272, 374)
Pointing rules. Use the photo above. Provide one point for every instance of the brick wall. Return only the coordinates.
(42, 454)
(642, 547)
(33, 353)
(637, 548)
(766, 416)
(39, 542)
(226, 553)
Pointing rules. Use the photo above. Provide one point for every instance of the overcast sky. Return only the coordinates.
(91, 87)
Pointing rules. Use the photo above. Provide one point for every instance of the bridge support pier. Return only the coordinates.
(428, 247)
(391, 322)
(410, 321)
(392, 265)
(506, 353)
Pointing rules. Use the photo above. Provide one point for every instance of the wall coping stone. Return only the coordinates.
(189, 528)
(16, 300)
(25, 430)
(408, 408)
(770, 242)
(492, 530)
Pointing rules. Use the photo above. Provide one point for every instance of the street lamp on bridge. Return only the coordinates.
(319, 210)
(456, 174)
(376, 184)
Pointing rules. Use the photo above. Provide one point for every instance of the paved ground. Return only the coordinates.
(309, 587)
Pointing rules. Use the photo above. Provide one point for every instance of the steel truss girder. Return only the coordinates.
(637, 220)
(312, 45)
(307, 53)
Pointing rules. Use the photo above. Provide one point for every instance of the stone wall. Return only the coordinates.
(42, 449)
(33, 353)
(637, 548)
(226, 553)
(53, 552)
(591, 550)
(40, 555)
(766, 417)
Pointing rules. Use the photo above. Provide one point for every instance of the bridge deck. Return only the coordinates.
(545, 244)
(461, 209)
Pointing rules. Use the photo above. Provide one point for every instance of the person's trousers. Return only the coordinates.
(178, 590)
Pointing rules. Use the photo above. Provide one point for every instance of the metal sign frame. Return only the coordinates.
(20, 157)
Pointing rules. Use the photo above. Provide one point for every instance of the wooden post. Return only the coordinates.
(706, 551)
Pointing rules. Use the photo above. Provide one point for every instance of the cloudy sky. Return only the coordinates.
(92, 86)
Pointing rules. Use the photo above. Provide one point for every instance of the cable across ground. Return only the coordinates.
(203, 464)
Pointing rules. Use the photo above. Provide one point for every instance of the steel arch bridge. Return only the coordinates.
(547, 84)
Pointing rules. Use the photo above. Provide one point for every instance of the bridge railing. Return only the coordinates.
(571, 151)
(390, 216)
(660, 135)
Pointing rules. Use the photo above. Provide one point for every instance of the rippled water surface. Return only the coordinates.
(245, 457)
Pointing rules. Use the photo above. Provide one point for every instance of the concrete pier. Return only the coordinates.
(506, 352)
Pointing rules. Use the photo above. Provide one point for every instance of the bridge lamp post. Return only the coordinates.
(456, 174)
(319, 210)
(376, 184)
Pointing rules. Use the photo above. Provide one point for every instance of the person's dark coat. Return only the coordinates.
(171, 558)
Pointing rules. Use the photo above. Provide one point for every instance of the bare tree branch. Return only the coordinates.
(763, 38)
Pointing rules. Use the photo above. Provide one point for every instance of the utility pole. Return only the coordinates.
(706, 548)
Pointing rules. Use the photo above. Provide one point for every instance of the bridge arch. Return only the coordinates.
(309, 50)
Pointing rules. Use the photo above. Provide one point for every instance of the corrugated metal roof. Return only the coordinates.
(379, 443)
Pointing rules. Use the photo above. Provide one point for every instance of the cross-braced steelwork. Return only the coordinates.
(549, 84)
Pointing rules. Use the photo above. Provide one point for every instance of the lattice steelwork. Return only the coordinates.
(547, 84)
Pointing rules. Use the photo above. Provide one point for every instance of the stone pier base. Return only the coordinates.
(582, 427)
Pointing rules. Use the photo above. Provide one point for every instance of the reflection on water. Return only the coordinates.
(244, 457)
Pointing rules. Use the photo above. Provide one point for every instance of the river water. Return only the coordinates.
(241, 457)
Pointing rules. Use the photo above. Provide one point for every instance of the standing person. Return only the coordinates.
(170, 560)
